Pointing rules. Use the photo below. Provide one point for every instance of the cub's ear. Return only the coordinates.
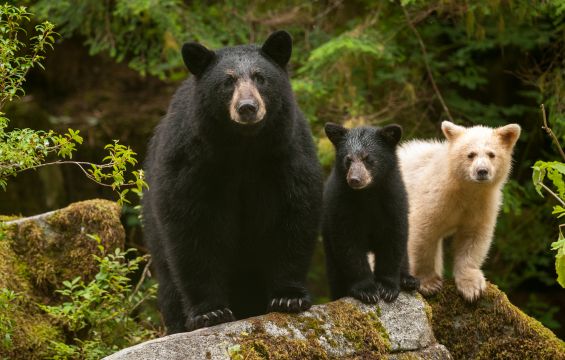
(391, 133)
(335, 132)
(196, 57)
(278, 47)
(508, 134)
(451, 131)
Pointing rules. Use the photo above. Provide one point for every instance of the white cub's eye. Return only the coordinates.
(258, 78)
(491, 155)
(471, 155)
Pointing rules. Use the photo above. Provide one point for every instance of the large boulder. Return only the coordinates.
(341, 329)
(36, 255)
(491, 328)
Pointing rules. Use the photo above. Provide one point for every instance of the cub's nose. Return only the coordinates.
(247, 108)
(355, 182)
(482, 173)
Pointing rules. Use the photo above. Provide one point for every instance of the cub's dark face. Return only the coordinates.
(243, 83)
(364, 155)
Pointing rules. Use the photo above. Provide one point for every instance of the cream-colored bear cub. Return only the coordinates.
(454, 188)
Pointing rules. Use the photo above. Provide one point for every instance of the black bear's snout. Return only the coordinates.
(247, 108)
(355, 181)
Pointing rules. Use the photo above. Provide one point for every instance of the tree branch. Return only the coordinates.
(549, 132)
(428, 69)
(552, 193)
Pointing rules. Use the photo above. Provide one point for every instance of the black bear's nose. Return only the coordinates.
(247, 107)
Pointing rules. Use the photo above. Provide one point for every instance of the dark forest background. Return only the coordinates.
(117, 63)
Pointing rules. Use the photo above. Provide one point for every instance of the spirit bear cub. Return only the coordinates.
(366, 210)
(454, 189)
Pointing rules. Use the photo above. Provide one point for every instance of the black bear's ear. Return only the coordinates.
(278, 47)
(335, 132)
(196, 57)
(391, 134)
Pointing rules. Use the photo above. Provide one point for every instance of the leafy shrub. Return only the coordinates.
(102, 316)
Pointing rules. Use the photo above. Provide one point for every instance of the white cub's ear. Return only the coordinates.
(391, 133)
(278, 47)
(335, 132)
(509, 134)
(451, 131)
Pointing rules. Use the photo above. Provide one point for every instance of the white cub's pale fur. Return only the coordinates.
(454, 189)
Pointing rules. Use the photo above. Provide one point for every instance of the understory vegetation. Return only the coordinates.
(411, 62)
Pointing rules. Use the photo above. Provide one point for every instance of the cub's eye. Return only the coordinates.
(258, 78)
(471, 155)
(348, 160)
(229, 81)
(491, 155)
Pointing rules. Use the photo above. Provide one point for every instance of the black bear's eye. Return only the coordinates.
(258, 78)
(348, 160)
(229, 81)
(472, 155)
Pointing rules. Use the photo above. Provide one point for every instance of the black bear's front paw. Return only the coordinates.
(291, 301)
(409, 283)
(210, 318)
(365, 291)
(388, 292)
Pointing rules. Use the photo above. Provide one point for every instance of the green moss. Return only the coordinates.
(57, 248)
(363, 330)
(491, 328)
(261, 345)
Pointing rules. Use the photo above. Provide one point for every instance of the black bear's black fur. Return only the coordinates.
(372, 219)
(232, 211)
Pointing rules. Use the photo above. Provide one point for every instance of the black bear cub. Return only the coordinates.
(235, 189)
(366, 210)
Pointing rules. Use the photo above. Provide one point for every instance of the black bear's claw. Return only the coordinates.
(409, 283)
(388, 293)
(290, 304)
(365, 292)
(210, 318)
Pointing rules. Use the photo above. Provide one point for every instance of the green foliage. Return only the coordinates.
(15, 60)
(25, 149)
(554, 171)
(100, 316)
(143, 32)
(6, 324)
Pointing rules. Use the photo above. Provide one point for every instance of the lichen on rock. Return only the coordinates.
(491, 328)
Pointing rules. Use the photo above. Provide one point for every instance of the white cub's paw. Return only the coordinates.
(430, 284)
(471, 284)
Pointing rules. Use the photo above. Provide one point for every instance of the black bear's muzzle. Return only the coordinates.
(247, 110)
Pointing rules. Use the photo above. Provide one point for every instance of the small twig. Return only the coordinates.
(428, 69)
(552, 194)
(549, 132)
(142, 279)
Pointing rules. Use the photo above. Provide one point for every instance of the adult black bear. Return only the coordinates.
(235, 189)
(366, 210)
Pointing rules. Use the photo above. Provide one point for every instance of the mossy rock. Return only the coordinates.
(36, 255)
(56, 247)
(344, 329)
(491, 328)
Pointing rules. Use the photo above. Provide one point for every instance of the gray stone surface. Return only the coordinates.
(404, 320)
